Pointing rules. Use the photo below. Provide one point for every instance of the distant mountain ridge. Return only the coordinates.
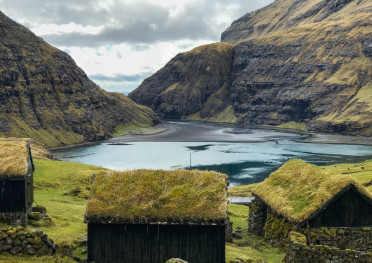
(46, 96)
(295, 64)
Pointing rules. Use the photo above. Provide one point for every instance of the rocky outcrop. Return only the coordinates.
(292, 64)
(44, 95)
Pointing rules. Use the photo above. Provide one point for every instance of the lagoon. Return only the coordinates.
(245, 155)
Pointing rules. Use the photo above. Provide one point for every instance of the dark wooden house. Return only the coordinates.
(310, 197)
(154, 215)
(16, 182)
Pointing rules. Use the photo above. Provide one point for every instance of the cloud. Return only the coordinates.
(135, 22)
(120, 42)
(119, 78)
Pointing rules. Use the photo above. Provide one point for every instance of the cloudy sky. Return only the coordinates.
(119, 43)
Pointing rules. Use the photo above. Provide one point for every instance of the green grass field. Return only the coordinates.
(61, 188)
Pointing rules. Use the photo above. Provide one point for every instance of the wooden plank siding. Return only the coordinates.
(114, 243)
(12, 195)
(348, 209)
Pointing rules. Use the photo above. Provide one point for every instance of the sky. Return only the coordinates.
(119, 43)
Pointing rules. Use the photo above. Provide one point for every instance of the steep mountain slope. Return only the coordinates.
(296, 63)
(45, 96)
(197, 81)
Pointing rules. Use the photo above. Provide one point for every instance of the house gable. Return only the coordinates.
(349, 208)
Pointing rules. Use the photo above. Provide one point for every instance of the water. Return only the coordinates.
(243, 162)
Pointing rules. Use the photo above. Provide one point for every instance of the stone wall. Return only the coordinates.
(257, 217)
(298, 251)
(15, 219)
(20, 241)
(343, 238)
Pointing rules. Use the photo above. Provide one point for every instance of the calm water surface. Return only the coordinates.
(245, 155)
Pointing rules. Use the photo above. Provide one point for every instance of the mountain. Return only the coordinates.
(296, 63)
(44, 95)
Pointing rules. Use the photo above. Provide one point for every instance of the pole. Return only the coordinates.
(190, 161)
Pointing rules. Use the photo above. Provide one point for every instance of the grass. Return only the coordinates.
(159, 195)
(242, 190)
(293, 125)
(362, 172)
(13, 158)
(31, 259)
(60, 187)
(252, 248)
(129, 128)
(238, 215)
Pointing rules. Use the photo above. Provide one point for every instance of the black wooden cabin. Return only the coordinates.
(147, 243)
(312, 198)
(147, 234)
(16, 182)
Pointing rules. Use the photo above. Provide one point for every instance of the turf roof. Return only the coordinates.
(145, 196)
(13, 158)
(297, 189)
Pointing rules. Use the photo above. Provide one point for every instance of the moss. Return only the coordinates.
(297, 237)
(277, 228)
(366, 229)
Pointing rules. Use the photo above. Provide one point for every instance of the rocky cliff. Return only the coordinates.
(298, 64)
(46, 96)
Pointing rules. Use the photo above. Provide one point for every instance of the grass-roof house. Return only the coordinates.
(155, 215)
(308, 196)
(16, 181)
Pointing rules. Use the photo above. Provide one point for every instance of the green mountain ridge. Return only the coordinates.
(44, 95)
(291, 64)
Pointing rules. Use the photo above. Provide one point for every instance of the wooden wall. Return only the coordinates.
(12, 195)
(114, 243)
(349, 209)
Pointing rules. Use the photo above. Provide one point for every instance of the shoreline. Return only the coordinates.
(187, 131)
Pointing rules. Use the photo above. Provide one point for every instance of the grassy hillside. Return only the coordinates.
(45, 96)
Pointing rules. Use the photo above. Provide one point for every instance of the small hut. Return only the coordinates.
(155, 215)
(310, 197)
(16, 182)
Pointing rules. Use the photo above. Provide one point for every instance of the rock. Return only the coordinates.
(175, 260)
(40, 209)
(39, 233)
(36, 216)
(17, 242)
(29, 250)
(15, 250)
(9, 241)
(44, 251)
